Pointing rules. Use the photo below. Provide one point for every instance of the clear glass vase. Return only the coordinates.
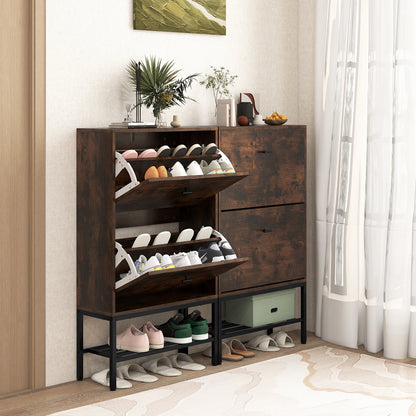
(161, 119)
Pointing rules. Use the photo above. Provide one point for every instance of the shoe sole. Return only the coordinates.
(129, 154)
(218, 258)
(164, 151)
(148, 153)
(133, 349)
(204, 233)
(214, 172)
(210, 149)
(214, 259)
(194, 150)
(163, 173)
(151, 173)
(142, 240)
(156, 346)
(199, 337)
(179, 150)
(186, 340)
(150, 269)
(162, 238)
(185, 235)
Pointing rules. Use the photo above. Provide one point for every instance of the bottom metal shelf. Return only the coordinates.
(232, 330)
(121, 355)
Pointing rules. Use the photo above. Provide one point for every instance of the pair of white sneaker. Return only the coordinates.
(144, 265)
(204, 168)
(222, 165)
(166, 262)
(154, 263)
(186, 259)
(193, 169)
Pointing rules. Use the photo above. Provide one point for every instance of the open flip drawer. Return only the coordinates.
(175, 191)
(135, 192)
(180, 283)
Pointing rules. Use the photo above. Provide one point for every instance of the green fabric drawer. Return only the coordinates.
(262, 309)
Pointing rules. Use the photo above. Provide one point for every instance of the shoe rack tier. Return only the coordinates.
(140, 165)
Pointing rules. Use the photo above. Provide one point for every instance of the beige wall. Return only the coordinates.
(306, 77)
(268, 45)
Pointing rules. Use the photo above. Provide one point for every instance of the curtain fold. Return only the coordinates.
(366, 159)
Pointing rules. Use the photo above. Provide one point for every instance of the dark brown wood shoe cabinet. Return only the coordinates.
(264, 216)
(271, 199)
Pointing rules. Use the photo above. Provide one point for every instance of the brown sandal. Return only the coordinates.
(227, 354)
(237, 347)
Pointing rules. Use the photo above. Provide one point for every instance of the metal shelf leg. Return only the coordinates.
(184, 312)
(216, 332)
(80, 345)
(113, 361)
(303, 314)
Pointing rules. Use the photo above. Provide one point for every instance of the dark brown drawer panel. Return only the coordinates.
(274, 158)
(273, 239)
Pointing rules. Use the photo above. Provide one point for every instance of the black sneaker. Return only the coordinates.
(225, 246)
(177, 331)
(198, 324)
(210, 254)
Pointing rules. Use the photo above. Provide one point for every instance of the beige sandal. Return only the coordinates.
(263, 343)
(237, 347)
(226, 353)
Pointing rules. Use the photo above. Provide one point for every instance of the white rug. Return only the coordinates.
(321, 381)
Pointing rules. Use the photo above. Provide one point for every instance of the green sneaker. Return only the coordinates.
(176, 330)
(199, 325)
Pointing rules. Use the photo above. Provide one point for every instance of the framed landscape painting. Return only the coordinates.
(191, 16)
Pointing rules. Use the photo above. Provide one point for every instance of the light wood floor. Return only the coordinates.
(80, 393)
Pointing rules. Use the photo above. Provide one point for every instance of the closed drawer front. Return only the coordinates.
(274, 158)
(273, 239)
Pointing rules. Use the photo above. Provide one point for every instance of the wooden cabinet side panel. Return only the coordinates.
(274, 158)
(95, 221)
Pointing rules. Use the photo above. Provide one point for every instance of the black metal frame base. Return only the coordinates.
(218, 331)
(115, 356)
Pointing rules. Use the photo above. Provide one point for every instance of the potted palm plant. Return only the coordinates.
(158, 84)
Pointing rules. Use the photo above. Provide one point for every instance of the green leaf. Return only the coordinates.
(160, 86)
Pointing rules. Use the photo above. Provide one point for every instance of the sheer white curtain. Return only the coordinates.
(366, 174)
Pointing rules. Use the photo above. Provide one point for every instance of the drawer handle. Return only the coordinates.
(273, 310)
(264, 151)
(267, 230)
(186, 192)
(186, 280)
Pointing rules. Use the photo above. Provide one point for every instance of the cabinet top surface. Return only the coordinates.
(185, 128)
(148, 129)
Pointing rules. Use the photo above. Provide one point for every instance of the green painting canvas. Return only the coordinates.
(191, 16)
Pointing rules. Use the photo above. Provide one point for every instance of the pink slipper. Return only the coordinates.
(148, 153)
(129, 154)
